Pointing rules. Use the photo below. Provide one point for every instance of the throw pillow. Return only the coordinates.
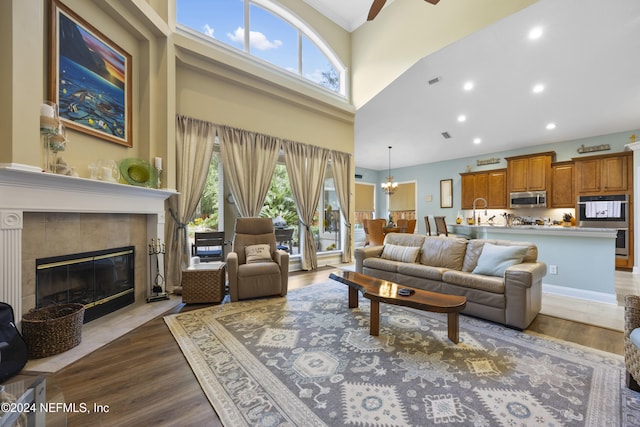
(258, 253)
(494, 260)
(400, 253)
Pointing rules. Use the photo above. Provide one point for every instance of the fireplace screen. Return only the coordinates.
(101, 280)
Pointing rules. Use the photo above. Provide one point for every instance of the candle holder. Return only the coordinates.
(156, 286)
(159, 172)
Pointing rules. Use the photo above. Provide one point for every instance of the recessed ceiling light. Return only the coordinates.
(468, 85)
(535, 33)
(538, 88)
(477, 140)
(551, 126)
(462, 118)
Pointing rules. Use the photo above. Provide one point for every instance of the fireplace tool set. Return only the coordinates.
(156, 249)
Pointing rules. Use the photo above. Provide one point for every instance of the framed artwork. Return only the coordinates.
(446, 193)
(89, 78)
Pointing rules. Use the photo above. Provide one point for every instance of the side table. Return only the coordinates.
(204, 283)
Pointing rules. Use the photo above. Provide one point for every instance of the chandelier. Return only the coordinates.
(389, 187)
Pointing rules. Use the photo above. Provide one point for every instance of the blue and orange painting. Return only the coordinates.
(91, 81)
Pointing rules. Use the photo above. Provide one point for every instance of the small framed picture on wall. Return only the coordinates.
(446, 193)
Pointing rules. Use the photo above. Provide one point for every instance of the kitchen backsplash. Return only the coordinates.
(528, 213)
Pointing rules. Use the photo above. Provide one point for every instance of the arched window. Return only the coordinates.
(268, 32)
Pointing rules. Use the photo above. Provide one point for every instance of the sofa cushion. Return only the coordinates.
(404, 239)
(474, 249)
(381, 264)
(476, 281)
(400, 253)
(447, 252)
(422, 271)
(494, 260)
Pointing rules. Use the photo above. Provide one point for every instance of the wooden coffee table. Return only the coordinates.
(378, 290)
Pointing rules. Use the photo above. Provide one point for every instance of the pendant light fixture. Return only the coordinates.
(389, 187)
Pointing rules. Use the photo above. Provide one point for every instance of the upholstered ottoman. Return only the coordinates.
(204, 283)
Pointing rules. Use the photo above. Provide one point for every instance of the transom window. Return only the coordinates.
(268, 32)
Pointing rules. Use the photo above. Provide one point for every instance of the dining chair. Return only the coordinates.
(428, 224)
(376, 235)
(441, 225)
(407, 225)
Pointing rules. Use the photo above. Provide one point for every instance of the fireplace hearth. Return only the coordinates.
(103, 281)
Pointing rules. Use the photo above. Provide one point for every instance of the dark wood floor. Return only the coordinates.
(145, 380)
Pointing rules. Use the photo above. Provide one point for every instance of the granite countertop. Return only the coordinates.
(535, 229)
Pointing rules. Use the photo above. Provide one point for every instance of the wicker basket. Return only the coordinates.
(204, 285)
(53, 329)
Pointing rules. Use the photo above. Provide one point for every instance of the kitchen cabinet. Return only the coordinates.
(490, 185)
(497, 189)
(562, 188)
(605, 174)
(531, 172)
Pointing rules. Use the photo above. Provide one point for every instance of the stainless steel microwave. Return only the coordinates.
(528, 199)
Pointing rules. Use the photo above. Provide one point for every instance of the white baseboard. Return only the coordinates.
(580, 294)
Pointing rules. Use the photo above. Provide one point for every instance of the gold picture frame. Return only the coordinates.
(89, 78)
(446, 193)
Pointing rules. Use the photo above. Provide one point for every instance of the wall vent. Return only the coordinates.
(446, 135)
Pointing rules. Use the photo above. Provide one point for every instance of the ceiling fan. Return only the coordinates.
(377, 5)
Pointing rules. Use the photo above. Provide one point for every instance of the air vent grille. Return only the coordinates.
(446, 135)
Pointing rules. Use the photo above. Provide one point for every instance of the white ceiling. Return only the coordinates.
(349, 14)
(588, 59)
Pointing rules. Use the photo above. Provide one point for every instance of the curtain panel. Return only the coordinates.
(194, 148)
(306, 166)
(341, 163)
(249, 160)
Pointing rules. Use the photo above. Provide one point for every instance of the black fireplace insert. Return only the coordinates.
(103, 281)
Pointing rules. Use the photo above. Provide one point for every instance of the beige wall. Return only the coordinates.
(407, 31)
(267, 103)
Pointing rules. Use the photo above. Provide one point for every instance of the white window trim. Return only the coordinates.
(300, 26)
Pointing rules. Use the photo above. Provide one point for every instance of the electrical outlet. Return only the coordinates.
(553, 269)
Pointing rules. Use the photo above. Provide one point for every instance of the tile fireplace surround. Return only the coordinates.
(34, 204)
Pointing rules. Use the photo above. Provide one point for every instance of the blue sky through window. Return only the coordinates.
(271, 38)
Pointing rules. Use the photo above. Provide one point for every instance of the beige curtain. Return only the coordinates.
(194, 147)
(249, 160)
(341, 164)
(306, 166)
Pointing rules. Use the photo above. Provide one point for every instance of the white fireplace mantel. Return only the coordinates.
(26, 188)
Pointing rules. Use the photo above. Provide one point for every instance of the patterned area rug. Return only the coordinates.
(308, 360)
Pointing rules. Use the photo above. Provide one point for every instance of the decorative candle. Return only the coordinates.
(158, 163)
(47, 110)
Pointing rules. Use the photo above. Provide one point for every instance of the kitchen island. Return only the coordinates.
(580, 261)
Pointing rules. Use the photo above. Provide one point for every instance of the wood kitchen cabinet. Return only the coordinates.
(497, 189)
(605, 174)
(562, 188)
(531, 172)
(490, 185)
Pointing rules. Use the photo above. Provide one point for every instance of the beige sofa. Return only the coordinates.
(502, 281)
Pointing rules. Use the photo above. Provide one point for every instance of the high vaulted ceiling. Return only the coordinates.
(588, 59)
